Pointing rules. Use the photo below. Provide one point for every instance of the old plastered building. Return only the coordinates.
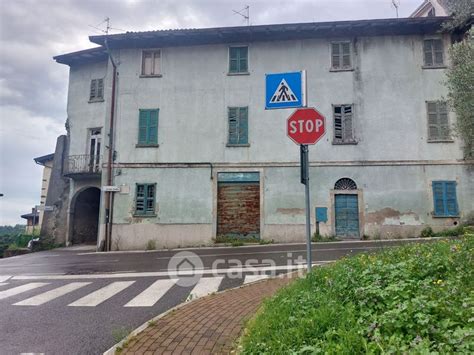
(195, 154)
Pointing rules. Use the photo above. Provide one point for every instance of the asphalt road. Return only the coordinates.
(76, 301)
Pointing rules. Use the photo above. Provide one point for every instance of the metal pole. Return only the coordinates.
(308, 208)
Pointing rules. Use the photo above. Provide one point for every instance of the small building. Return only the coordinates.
(431, 8)
(46, 161)
(194, 154)
(32, 221)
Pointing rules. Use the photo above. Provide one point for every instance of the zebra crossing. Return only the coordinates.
(146, 298)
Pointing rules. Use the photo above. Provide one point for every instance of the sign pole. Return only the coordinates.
(305, 180)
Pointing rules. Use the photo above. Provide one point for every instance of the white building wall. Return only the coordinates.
(392, 164)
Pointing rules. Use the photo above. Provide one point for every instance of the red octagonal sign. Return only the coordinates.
(305, 126)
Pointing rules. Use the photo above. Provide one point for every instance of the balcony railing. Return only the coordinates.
(83, 165)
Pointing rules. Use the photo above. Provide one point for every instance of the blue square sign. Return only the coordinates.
(285, 90)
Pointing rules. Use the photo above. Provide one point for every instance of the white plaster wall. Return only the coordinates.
(83, 115)
(388, 88)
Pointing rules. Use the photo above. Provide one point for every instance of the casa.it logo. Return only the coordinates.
(187, 267)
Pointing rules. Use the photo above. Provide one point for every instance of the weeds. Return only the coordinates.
(417, 298)
(322, 238)
(151, 245)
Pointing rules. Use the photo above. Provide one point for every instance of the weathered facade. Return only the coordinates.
(195, 153)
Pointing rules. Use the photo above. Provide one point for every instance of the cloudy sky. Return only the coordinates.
(33, 88)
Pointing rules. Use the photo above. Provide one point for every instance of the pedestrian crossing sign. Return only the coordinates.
(285, 90)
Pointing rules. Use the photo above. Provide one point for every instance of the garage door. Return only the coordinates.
(238, 204)
(347, 216)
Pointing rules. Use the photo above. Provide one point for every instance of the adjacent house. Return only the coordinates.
(32, 220)
(431, 8)
(169, 139)
(46, 161)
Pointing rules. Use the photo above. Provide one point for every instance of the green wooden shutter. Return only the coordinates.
(428, 52)
(451, 203)
(243, 125)
(153, 127)
(243, 59)
(438, 200)
(93, 91)
(444, 198)
(150, 199)
(100, 88)
(140, 199)
(142, 126)
(233, 125)
(233, 59)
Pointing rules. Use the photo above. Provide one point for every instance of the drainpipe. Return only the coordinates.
(109, 195)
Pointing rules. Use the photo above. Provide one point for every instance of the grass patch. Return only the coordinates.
(120, 333)
(322, 238)
(417, 298)
(239, 241)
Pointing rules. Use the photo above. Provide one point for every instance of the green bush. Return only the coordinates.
(416, 298)
(322, 238)
(453, 232)
(427, 232)
(236, 240)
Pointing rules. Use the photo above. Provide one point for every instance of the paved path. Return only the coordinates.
(209, 325)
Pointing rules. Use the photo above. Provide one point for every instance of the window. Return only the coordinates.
(433, 52)
(345, 184)
(148, 128)
(151, 63)
(97, 90)
(438, 122)
(238, 126)
(343, 132)
(444, 199)
(341, 55)
(238, 59)
(145, 199)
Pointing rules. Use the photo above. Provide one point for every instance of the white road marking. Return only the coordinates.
(101, 295)
(4, 278)
(206, 286)
(254, 278)
(20, 289)
(52, 294)
(171, 274)
(152, 294)
(3, 283)
(267, 252)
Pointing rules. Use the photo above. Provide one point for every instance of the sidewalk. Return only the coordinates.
(209, 325)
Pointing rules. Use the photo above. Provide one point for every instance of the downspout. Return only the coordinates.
(109, 195)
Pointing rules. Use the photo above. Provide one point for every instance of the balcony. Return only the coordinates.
(83, 166)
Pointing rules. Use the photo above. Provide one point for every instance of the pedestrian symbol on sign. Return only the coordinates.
(285, 90)
(283, 93)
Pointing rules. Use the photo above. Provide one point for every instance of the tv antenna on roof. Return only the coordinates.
(396, 5)
(107, 27)
(245, 15)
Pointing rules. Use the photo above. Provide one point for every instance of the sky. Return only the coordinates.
(33, 87)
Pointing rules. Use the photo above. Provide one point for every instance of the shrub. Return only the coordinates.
(151, 245)
(412, 299)
(322, 238)
(427, 232)
(237, 240)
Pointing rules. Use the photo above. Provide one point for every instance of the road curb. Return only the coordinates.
(259, 246)
(145, 325)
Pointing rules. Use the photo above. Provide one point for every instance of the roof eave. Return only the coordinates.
(168, 38)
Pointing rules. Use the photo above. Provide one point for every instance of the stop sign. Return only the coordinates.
(305, 126)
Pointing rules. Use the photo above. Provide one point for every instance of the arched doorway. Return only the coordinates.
(346, 208)
(85, 224)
